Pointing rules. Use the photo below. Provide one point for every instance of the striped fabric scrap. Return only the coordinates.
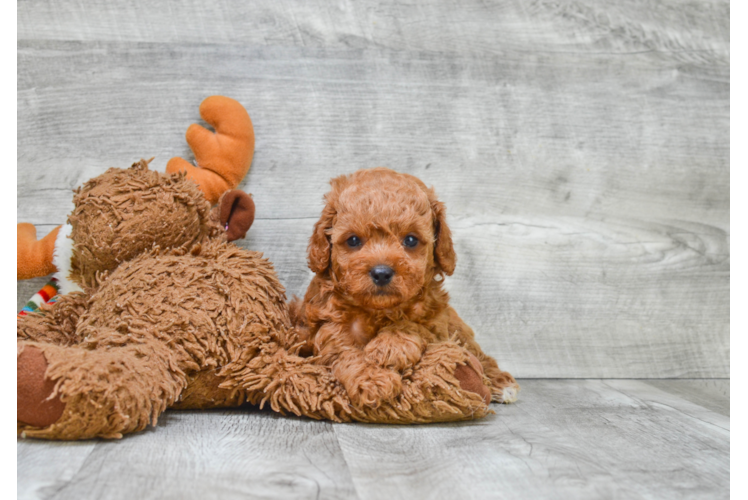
(47, 295)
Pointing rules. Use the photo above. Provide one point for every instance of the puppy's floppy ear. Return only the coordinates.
(444, 252)
(320, 247)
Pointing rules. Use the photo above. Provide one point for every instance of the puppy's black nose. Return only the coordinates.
(381, 275)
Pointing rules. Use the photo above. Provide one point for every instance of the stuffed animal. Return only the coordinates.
(159, 310)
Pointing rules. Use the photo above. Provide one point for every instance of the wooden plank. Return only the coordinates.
(563, 439)
(581, 149)
(738, 458)
(713, 394)
(694, 30)
(43, 468)
(487, 132)
(207, 455)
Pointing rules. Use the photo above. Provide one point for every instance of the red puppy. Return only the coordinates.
(380, 252)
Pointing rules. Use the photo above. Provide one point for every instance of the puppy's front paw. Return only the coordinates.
(394, 351)
(372, 388)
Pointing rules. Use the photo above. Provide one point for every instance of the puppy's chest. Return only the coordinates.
(362, 330)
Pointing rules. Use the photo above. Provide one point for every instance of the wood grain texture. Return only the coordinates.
(563, 439)
(581, 148)
(694, 30)
(209, 454)
(738, 458)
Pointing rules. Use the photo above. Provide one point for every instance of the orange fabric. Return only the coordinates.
(34, 257)
(223, 157)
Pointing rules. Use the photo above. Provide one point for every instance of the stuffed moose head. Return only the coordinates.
(159, 310)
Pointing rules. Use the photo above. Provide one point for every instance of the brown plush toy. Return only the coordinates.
(159, 310)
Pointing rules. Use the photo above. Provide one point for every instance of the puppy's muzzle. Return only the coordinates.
(381, 275)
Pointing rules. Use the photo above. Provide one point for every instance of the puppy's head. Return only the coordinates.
(382, 236)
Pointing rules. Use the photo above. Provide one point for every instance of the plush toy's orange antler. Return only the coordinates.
(34, 257)
(223, 157)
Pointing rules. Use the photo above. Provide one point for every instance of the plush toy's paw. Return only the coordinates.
(470, 376)
(35, 406)
(372, 388)
(506, 395)
(394, 351)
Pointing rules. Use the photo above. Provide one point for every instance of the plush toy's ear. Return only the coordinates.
(223, 157)
(236, 213)
(444, 253)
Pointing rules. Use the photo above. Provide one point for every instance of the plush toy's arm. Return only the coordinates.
(34, 257)
(223, 157)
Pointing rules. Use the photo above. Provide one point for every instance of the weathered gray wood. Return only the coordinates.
(563, 439)
(693, 31)
(45, 468)
(713, 394)
(738, 459)
(490, 133)
(207, 455)
(581, 149)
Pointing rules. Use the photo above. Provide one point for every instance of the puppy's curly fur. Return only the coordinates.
(380, 252)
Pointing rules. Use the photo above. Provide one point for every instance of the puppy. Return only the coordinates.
(380, 251)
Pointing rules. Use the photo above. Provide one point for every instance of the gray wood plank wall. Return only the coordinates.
(581, 147)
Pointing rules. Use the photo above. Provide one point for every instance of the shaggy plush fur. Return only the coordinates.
(124, 213)
(163, 327)
(377, 305)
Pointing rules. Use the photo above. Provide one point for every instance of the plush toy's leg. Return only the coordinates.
(36, 404)
(470, 376)
(223, 157)
(289, 384)
(444, 386)
(54, 323)
(106, 392)
(34, 257)
(504, 389)
(203, 391)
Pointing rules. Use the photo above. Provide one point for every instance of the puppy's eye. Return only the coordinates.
(410, 241)
(353, 242)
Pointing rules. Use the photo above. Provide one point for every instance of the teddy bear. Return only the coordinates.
(158, 309)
